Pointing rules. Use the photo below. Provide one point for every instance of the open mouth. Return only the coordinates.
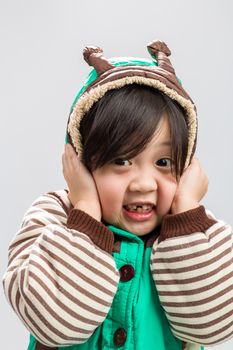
(139, 208)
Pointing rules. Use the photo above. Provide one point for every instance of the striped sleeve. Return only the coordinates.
(60, 278)
(192, 267)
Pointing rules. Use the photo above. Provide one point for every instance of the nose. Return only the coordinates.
(143, 182)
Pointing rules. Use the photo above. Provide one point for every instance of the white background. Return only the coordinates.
(41, 69)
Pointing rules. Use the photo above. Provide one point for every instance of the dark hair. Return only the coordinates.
(124, 121)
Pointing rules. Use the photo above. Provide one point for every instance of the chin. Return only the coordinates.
(140, 231)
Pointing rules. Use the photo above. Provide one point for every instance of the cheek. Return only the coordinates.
(171, 188)
(110, 193)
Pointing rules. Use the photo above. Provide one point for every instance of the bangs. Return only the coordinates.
(124, 121)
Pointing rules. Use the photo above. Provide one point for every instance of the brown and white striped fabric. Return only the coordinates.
(193, 273)
(61, 279)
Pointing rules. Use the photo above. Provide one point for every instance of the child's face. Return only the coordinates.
(136, 193)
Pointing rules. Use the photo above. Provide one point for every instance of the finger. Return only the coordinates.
(67, 161)
(70, 150)
(194, 160)
(66, 155)
(64, 165)
(64, 160)
(71, 156)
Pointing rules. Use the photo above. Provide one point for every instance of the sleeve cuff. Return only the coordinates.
(98, 232)
(194, 220)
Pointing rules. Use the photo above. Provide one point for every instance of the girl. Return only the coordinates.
(126, 257)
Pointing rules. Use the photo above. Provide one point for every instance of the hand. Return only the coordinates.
(191, 188)
(82, 189)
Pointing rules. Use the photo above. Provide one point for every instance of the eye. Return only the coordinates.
(122, 162)
(164, 162)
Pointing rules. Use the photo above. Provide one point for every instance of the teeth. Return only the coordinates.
(139, 208)
(131, 207)
(145, 207)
